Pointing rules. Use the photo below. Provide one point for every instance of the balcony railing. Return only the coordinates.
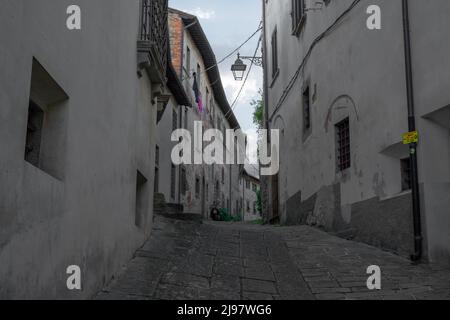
(154, 33)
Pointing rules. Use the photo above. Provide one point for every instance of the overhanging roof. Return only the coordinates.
(209, 59)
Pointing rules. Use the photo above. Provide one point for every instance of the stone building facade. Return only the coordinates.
(249, 185)
(336, 90)
(78, 114)
(199, 187)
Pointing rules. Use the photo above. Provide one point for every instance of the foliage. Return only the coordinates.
(258, 110)
(259, 201)
(225, 216)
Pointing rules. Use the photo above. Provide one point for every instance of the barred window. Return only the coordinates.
(343, 144)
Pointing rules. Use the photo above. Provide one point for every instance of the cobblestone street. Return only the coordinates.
(187, 260)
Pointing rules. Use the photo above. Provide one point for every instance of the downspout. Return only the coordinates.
(231, 191)
(412, 127)
(266, 184)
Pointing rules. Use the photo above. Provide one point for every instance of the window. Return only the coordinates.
(174, 120)
(208, 106)
(34, 133)
(343, 145)
(254, 207)
(141, 199)
(248, 206)
(173, 178)
(156, 190)
(306, 111)
(247, 184)
(254, 187)
(46, 123)
(188, 61)
(183, 181)
(197, 187)
(274, 54)
(298, 15)
(223, 175)
(406, 174)
(198, 74)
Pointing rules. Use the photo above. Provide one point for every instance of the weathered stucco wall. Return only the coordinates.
(359, 73)
(87, 218)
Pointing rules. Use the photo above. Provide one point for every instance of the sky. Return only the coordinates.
(227, 24)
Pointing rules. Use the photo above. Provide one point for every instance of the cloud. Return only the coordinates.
(232, 88)
(202, 13)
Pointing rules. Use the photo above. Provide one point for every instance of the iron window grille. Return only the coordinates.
(343, 145)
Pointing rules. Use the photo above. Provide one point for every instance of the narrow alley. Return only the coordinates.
(186, 260)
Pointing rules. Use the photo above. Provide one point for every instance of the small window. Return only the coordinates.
(247, 184)
(406, 174)
(343, 145)
(46, 123)
(274, 54)
(207, 101)
(223, 175)
(248, 206)
(183, 181)
(188, 60)
(34, 133)
(298, 15)
(197, 187)
(173, 178)
(306, 111)
(174, 120)
(141, 199)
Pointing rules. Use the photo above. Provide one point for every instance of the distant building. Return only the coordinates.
(250, 186)
(337, 92)
(196, 188)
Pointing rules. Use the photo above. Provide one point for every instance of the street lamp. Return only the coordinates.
(239, 66)
(238, 69)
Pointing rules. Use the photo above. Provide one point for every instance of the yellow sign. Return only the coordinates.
(411, 137)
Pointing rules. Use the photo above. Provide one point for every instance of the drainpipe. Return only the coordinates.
(266, 116)
(417, 256)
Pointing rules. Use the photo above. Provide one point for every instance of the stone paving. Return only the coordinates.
(221, 261)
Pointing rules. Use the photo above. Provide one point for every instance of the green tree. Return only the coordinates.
(258, 110)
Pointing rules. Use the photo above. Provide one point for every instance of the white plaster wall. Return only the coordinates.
(88, 218)
(368, 66)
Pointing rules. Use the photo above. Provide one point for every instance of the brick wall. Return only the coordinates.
(176, 41)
